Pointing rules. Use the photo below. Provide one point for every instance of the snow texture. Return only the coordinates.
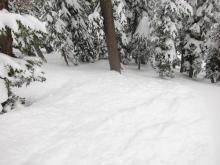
(10, 20)
(87, 115)
(143, 28)
(17, 64)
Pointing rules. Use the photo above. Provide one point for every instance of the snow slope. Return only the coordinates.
(87, 115)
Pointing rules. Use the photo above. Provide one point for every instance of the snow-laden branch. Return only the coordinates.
(10, 20)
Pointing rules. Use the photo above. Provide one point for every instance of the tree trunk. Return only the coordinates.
(135, 25)
(4, 4)
(139, 64)
(111, 38)
(39, 52)
(65, 57)
(6, 38)
(182, 64)
(191, 70)
(182, 51)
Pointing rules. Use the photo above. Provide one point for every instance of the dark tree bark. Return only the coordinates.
(6, 39)
(191, 71)
(182, 63)
(182, 51)
(135, 25)
(3, 4)
(65, 57)
(139, 64)
(111, 38)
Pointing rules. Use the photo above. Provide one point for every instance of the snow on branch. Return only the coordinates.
(10, 20)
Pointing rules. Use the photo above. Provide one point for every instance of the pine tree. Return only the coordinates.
(21, 69)
(67, 26)
(213, 55)
(140, 42)
(29, 41)
(198, 28)
(96, 32)
(140, 50)
(139, 15)
(21, 6)
(17, 73)
(121, 26)
(135, 10)
(165, 34)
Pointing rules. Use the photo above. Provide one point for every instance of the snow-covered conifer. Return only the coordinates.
(96, 33)
(196, 36)
(18, 70)
(67, 26)
(121, 25)
(17, 73)
(212, 58)
(165, 34)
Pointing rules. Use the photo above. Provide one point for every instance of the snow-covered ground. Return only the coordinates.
(87, 115)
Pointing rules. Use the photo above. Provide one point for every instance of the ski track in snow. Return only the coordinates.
(89, 116)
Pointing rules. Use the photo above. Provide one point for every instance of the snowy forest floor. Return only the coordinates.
(87, 115)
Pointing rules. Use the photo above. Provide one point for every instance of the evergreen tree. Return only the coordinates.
(135, 10)
(213, 55)
(139, 15)
(139, 50)
(17, 73)
(21, 6)
(165, 34)
(96, 33)
(121, 26)
(140, 42)
(196, 35)
(20, 69)
(67, 26)
(29, 41)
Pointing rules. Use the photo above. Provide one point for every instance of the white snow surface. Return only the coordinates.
(88, 115)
